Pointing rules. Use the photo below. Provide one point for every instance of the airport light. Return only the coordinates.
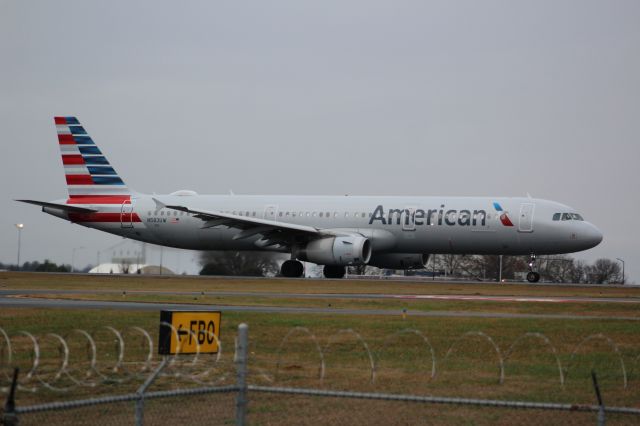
(617, 258)
(19, 226)
(73, 257)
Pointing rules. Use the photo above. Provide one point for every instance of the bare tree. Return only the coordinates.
(579, 272)
(245, 263)
(603, 271)
(557, 269)
(451, 263)
(487, 267)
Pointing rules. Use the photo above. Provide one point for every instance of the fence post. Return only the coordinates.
(242, 345)
(601, 414)
(142, 389)
(9, 416)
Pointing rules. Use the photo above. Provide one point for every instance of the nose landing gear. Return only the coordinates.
(533, 276)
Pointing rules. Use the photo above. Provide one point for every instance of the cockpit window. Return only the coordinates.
(567, 216)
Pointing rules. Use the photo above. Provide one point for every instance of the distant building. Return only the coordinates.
(125, 268)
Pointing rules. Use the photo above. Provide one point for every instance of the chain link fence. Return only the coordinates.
(254, 389)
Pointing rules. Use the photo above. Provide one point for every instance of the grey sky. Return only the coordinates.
(291, 97)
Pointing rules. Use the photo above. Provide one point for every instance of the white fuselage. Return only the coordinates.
(462, 225)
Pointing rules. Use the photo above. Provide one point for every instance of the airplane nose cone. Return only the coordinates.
(592, 235)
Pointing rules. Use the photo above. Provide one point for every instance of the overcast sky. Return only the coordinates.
(496, 98)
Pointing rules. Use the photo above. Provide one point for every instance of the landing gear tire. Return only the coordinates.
(533, 277)
(334, 271)
(291, 269)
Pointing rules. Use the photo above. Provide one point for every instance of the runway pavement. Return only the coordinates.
(353, 296)
(18, 299)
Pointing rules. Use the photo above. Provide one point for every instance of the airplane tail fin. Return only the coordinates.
(90, 177)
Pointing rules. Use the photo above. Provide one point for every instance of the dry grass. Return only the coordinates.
(24, 280)
(598, 309)
(402, 358)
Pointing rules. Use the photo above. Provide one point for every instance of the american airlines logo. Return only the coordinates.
(504, 216)
(441, 216)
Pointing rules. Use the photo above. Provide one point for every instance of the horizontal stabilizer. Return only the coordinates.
(64, 207)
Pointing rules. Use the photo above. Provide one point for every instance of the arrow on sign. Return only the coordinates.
(181, 333)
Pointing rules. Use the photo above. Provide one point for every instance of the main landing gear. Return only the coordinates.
(334, 271)
(533, 276)
(292, 269)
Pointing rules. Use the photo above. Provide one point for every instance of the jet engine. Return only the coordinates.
(399, 260)
(342, 251)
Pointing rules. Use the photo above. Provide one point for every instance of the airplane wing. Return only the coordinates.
(63, 207)
(273, 232)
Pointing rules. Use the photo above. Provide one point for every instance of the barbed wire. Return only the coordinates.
(83, 359)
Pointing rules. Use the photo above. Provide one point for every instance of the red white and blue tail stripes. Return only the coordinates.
(90, 177)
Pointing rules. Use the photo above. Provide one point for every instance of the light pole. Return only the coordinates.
(19, 226)
(617, 258)
(73, 257)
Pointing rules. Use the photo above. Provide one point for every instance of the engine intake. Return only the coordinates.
(399, 260)
(343, 251)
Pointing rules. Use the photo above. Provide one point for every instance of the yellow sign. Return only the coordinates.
(190, 332)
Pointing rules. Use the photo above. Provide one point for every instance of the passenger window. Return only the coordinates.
(556, 216)
(335, 214)
(321, 214)
(162, 213)
(328, 214)
(280, 214)
(307, 214)
(363, 215)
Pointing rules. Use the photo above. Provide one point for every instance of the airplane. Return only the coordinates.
(395, 232)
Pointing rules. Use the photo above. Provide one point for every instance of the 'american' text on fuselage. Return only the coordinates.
(429, 217)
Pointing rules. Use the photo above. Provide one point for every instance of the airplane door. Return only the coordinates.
(409, 220)
(271, 212)
(126, 214)
(525, 223)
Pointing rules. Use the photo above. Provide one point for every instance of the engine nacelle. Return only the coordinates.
(399, 260)
(343, 251)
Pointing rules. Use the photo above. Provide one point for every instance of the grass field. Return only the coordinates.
(12, 280)
(466, 363)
